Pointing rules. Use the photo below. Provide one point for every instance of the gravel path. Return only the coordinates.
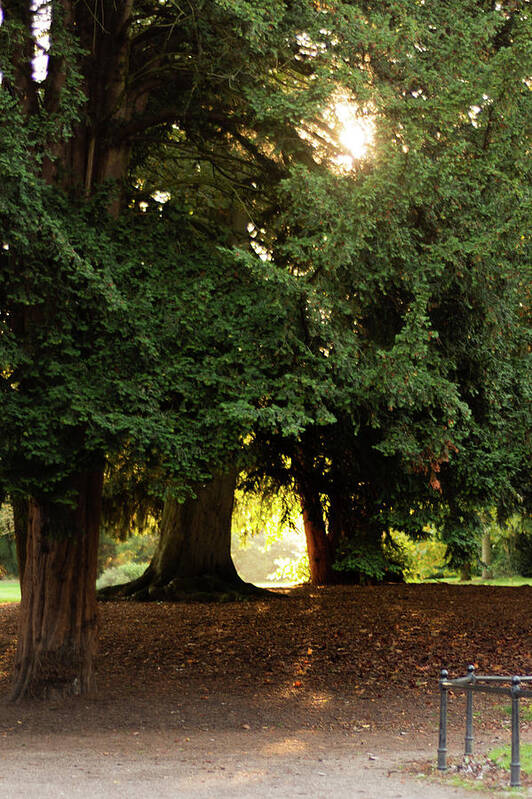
(243, 764)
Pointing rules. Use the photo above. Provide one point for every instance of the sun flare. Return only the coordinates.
(356, 132)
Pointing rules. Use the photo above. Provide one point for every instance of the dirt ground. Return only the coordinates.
(315, 693)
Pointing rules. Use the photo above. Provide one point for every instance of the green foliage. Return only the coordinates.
(373, 561)
(426, 559)
(116, 575)
(523, 561)
(463, 540)
(149, 335)
(8, 549)
(263, 511)
(268, 543)
(167, 382)
(137, 548)
(414, 268)
(290, 570)
(511, 546)
(377, 321)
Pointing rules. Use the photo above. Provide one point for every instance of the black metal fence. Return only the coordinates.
(482, 683)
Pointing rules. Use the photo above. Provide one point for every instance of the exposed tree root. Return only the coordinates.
(202, 588)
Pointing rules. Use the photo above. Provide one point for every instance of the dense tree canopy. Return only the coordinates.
(416, 268)
(132, 320)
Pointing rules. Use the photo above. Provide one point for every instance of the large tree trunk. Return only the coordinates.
(319, 553)
(193, 556)
(57, 627)
(318, 544)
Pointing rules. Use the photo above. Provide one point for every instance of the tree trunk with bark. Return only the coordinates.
(486, 547)
(193, 556)
(58, 560)
(318, 548)
(58, 619)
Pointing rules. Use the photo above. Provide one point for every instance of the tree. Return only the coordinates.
(101, 302)
(396, 394)
(193, 556)
(229, 181)
(415, 270)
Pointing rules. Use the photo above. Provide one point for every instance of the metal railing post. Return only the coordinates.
(515, 765)
(488, 684)
(442, 743)
(468, 750)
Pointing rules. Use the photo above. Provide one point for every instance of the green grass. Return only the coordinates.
(9, 591)
(515, 581)
(525, 710)
(502, 757)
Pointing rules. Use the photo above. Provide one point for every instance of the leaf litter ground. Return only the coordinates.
(351, 666)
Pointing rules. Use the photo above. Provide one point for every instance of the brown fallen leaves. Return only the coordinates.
(361, 641)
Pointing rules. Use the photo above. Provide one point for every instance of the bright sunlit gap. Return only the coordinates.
(356, 133)
(42, 19)
(344, 135)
